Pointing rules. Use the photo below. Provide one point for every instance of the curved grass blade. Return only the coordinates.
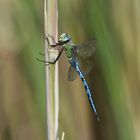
(72, 74)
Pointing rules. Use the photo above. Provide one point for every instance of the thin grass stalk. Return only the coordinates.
(52, 85)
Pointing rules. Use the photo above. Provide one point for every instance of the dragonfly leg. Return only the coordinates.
(47, 62)
(52, 45)
(49, 35)
(41, 60)
(57, 56)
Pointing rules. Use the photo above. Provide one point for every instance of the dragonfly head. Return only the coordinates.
(64, 38)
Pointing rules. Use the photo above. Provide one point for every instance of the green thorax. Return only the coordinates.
(68, 47)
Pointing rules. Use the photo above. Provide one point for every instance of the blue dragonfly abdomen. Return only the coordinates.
(87, 90)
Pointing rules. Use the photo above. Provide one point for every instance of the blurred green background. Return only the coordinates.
(114, 79)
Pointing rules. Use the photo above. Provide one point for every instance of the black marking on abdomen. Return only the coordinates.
(78, 72)
(86, 87)
(82, 79)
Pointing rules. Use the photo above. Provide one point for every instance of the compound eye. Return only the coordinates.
(66, 37)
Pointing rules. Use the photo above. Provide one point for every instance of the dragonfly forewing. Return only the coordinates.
(84, 55)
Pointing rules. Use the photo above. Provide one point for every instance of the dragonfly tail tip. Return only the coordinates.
(97, 118)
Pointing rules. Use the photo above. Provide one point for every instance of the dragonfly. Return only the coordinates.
(79, 59)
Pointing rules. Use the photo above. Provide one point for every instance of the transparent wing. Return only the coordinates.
(84, 55)
(87, 49)
(85, 64)
(72, 74)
